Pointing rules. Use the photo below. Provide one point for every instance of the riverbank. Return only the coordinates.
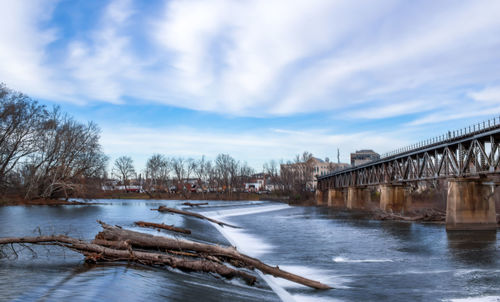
(19, 201)
(240, 196)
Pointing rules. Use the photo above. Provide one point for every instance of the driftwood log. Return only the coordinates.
(195, 204)
(427, 215)
(164, 209)
(94, 252)
(163, 226)
(148, 241)
(116, 244)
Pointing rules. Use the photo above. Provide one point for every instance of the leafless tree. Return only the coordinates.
(297, 175)
(124, 169)
(227, 170)
(68, 155)
(21, 121)
(271, 169)
(157, 170)
(179, 169)
(190, 167)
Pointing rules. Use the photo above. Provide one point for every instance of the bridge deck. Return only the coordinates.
(467, 152)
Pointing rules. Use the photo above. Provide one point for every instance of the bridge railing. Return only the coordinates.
(451, 135)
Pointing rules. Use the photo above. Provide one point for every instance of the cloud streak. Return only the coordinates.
(257, 147)
(256, 58)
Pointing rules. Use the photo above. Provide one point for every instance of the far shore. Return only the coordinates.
(16, 200)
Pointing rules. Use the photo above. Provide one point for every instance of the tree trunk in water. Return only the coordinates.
(164, 209)
(162, 226)
(155, 242)
(95, 252)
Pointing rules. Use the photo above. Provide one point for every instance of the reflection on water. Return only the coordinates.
(364, 260)
(474, 247)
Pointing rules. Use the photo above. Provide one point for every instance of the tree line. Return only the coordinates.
(161, 172)
(224, 174)
(45, 153)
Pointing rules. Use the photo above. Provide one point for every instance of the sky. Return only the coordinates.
(257, 79)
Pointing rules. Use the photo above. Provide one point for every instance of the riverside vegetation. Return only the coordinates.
(46, 156)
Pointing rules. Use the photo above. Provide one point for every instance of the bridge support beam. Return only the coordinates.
(336, 198)
(392, 198)
(319, 197)
(357, 197)
(470, 206)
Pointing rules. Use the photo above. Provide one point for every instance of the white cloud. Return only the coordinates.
(461, 113)
(488, 95)
(258, 147)
(23, 44)
(261, 58)
(392, 109)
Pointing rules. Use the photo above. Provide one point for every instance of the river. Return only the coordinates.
(364, 260)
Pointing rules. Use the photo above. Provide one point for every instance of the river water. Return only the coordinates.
(364, 260)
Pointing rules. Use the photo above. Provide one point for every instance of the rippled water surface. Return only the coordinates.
(363, 260)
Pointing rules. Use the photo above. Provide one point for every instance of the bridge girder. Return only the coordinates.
(474, 155)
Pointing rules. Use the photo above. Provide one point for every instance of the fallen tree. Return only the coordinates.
(148, 241)
(116, 244)
(162, 226)
(94, 252)
(164, 209)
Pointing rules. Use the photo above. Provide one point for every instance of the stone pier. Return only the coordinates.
(336, 198)
(357, 197)
(392, 198)
(470, 206)
(319, 197)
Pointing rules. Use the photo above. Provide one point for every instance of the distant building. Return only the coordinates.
(256, 182)
(313, 168)
(363, 157)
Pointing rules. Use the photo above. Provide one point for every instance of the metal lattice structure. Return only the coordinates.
(468, 152)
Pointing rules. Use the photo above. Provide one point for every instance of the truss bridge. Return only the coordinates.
(468, 158)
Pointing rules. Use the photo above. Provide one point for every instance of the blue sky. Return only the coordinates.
(257, 79)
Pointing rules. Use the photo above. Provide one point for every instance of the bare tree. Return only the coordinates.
(21, 121)
(67, 152)
(296, 176)
(179, 169)
(46, 153)
(227, 170)
(124, 169)
(190, 167)
(201, 172)
(271, 169)
(157, 170)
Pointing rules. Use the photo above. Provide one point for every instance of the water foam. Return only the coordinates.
(320, 275)
(234, 237)
(476, 299)
(254, 246)
(245, 211)
(345, 260)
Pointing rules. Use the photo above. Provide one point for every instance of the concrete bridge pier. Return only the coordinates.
(357, 197)
(319, 197)
(336, 198)
(392, 198)
(470, 206)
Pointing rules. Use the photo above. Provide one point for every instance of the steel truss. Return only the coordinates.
(464, 156)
